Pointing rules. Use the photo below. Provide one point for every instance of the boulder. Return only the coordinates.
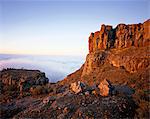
(77, 87)
(87, 93)
(105, 88)
(124, 89)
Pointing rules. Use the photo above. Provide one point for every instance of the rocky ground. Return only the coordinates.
(77, 100)
(112, 83)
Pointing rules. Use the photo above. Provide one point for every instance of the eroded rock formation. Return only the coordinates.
(22, 79)
(122, 55)
(123, 36)
(125, 46)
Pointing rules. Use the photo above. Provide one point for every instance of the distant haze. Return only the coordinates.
(55, 67)
(58, 27)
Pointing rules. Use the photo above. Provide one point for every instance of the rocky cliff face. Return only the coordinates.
(116, 53)
(125, 46)
(122, 55)
(123, 36)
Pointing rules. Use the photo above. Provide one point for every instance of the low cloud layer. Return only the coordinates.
(55, 67)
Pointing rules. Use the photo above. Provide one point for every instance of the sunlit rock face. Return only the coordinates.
(132, 60)
(115, 53)
(125, 46)
(123, 36)
(105, 88)
(122, 55)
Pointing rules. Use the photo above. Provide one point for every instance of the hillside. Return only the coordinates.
(112, 83)
(121, 55)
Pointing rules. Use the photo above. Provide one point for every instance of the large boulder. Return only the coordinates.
(105, 88)
(77, 87)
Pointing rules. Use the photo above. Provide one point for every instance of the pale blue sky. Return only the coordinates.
(61, 27)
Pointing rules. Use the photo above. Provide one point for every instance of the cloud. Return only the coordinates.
(55, 67)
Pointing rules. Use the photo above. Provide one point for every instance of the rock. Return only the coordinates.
(94, 92)
(93, 61)
(22, 79)
(87, 93)
(65, 110)
(121, 55)
(123, 36)
(77, 87)
(46, 100)
(124, 89)
(105, 88)
(135, 60)
(54, 105)
(61, 116)
(1, 87)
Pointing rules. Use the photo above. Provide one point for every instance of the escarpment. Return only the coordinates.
(121, 55)
(116, 53)
(123, 36)
(125, 46)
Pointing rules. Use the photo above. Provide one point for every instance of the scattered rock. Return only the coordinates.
(77, 87)
(87, 93)
(94, 92)
(105, 88)
(65, 110)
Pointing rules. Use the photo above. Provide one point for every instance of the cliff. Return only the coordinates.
(121, 52)
(123, 36)
(112, 83)
(120, 55)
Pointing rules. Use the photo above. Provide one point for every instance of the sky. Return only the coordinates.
(61, 27)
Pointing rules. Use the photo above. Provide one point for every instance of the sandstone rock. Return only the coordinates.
(105, 88)
(94, 92)
(132, 62)
(123, 36)
(93, 61)
(77, 87)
